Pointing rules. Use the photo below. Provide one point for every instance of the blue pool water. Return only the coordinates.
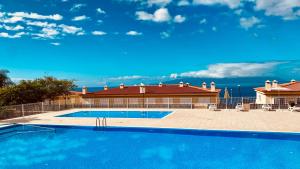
(119, 114)
(144, 148)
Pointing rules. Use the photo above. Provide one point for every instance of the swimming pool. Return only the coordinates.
(146, 148)
(118, 114)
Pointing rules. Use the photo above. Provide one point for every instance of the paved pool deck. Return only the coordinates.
(254, 120)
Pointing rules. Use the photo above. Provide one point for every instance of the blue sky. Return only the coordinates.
(113, 41)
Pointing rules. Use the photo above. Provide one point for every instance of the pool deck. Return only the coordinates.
(254, 120)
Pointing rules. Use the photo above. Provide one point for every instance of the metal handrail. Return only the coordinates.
(98, 122)
(104, 122)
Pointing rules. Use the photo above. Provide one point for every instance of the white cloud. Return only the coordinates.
(214, 28)
(13, 28)
(142, 15)
(99, 21)
(77, 7)
(125, 78)
(6, 35)
(2, 14)
(247, 23)
(160, 3)
(40, 24)
(133, 33)
(203, 21)
(183, 3)
(99, 33)
(165, 35)
(55, 43)
(179, 19)
(283, 8)
(230, 3)
(13, 19)
(71, 29)
(81, 33)
(80, 18)
(50, 31)
(238, 11)
(47, 33)
(173, 75)
(35, 16)
(223, 70)
(160, 15)
(100, 11)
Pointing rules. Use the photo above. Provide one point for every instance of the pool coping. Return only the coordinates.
(291, 136)
(283, 121)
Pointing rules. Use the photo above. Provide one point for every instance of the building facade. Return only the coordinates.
(274, 93)
(161, 95)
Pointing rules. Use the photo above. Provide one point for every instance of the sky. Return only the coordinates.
(133, 41)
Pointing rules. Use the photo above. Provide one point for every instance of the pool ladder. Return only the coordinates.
(101, 123)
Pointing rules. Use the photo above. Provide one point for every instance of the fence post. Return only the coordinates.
(168, 102)
(58, 106)
(127, 103)
(42, 107)
(147, 103)
(23, 113)
(191, 103)
(90, 103)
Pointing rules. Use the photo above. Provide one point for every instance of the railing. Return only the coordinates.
(8, 112)
(101, 123)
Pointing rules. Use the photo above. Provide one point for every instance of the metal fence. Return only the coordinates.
(167, 103)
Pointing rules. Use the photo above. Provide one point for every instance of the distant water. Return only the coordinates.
(245, 91)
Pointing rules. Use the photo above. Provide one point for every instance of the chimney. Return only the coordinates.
(84, 90)
(204, 85)
(268, 85)
(142, 88)
(122, 86)
(105, 87)
(187, 84)
(212, 86)
(293, 81)
(274, 84)
(160, 84)
(181, 84)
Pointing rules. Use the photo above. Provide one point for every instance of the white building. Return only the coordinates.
(274, 93)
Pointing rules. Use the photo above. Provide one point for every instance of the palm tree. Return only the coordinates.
(4, 79)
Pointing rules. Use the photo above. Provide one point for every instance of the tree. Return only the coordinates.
(31, 91)
(4, 79)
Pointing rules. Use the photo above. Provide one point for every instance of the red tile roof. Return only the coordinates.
(76, 93)
(155, 89)
(286, 87)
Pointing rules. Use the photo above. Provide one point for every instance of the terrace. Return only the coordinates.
(256, 119)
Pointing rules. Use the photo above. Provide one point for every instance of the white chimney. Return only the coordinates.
(84, 90)
(160, 84)
(274, 84)
(181, 84)
(105, 87)
(204, 85)
(268, 85)
(293, 81)
(212, 86)
(142, 88)
(122, 86)
(187, 84)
